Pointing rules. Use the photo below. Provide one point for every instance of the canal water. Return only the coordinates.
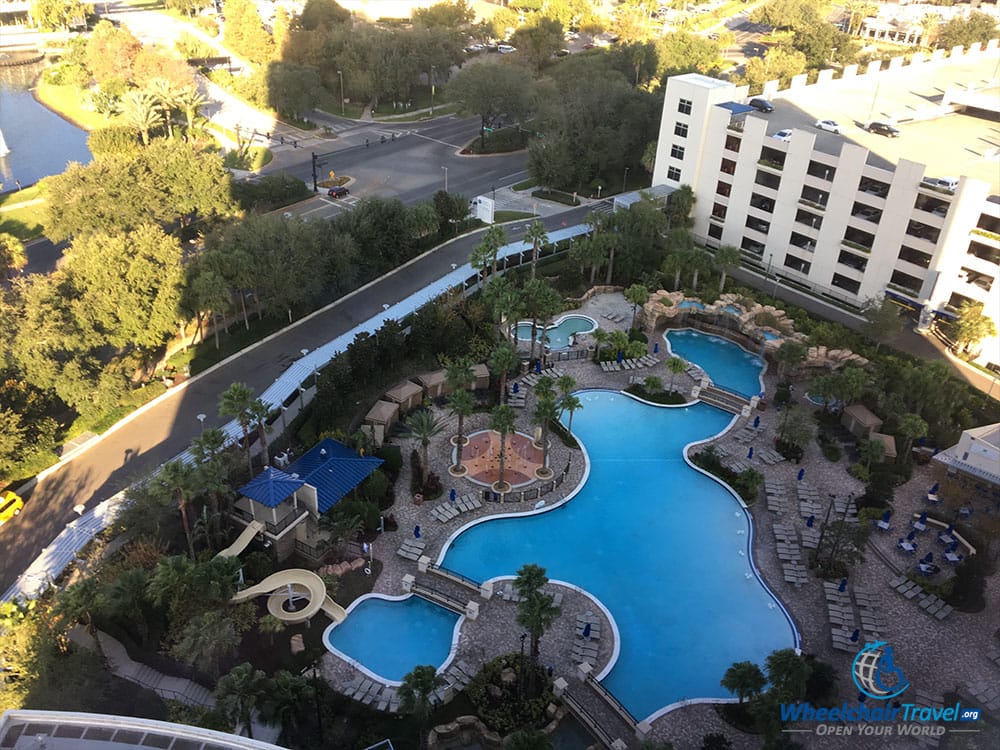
(41, 143)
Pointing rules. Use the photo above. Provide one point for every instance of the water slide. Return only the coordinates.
(294, 583)
(234, 549)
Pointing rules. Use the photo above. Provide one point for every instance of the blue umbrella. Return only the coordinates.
(810, 521)
(453, 495)
(886, 515)
(855, 635)
(416, 532)
(750, 452)
(538, 366)
(620, 357)
(802, 473)
(656, 348)
(952, 547)
(929, 558)
(756, 421)
(933, 490)
(843, 585)
(910, 536)
(760, 395)
(948, 530)
(923, 517)
(517, 387)
(586, 631)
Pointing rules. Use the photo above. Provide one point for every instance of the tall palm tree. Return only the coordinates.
(678, 244)
(461, 405)
(138, 110)
(424, 426)
(638, 295)
(258, 412)
(415, 695)
(235, 403)
(542, 301)
(239, 693)
(536, 611)
(675, 366)
(697, 260)
(126, 601)
(206, 640)
(287, 701)
(537, 236)
(173, 583)
(727, 257)
(601, 337)
(12, 255)
(570, 403)
(484, 255)
(190, 100)
(589, 253)
(911, 426)
(165, 93)
(502, 420)
(178, 480)
(78, 603)
(744, 678)
(458, 374)
(565, 384)
(502, 361)
(546, 410)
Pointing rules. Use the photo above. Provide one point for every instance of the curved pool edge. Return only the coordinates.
(555, 324)
(452, 651)
(763, 360)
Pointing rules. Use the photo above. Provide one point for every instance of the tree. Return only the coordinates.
(258, 412)
(541, 303)
(240, 693)
(235, 402)
(165, 94)
(537, 40)
(502, 420)
(12, 255)
(796, 428)
(745, 679)
(191, 101)
(675, 366)
(588, 252)
(570, 403)
(206, 640)
(871, 452)
(696, 260)
(638, 295)
(679, 206)
(125, 601)
(882, 320)
(546, 410)
(527, 739)
(461, 405)
(78, 603)
(424, 426)
(727, 257)
(415, 695)
(535, 612)
(177, 479)
(850, 384)
(911, 426)
(972, 326)
(484, 255)
(502, 361)
(537, 236)
(778, 63)
(789, 355)
(138, 110)
(446, 15)
(788, 673)
(601, 337)
(977, 27)
(323, 13)
(51, 15)
(287, 701)
(787, 14)
(492, 92)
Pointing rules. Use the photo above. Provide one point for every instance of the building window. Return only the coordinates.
(797, 264)
(823, 171)
(985, 252)
(767, 179)
(802, 242)
(733, 143)
(903, 280)
(858, 239)
(917, 258)
(758, 224)
(935, 206)
(772, 158)
(809, 219)
(728, 166)
(676, 152)
(719, 212)
(976, 278)
(681, 129)
(715, 231)
(989, 223)
(873, 187)
(684, 106)
(866, 212)
(752, 246)
(724, 189)
(762, 203)
(673, 173)
(848, 285)
(923, 231)
(813, 197)
(852, 261)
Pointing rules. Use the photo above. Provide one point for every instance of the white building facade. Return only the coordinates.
(838, 221)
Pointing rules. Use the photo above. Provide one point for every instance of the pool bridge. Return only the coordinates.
(726, 400)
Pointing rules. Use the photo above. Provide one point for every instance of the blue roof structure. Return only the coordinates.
(736, 109)
(334, 470)
(271, 487)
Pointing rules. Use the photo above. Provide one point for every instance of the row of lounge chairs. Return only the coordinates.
(372, 693)
(457, 677)
(777, 499)
(930, 603)
(790, 554)
(449, 510)
(872, 621)
(748, 433)
(532, 378)
(844, 632)
(614, 317)
(629, 364)
(411, 549)
(587, 633)
(508, 593)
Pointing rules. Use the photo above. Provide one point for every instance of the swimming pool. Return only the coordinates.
(560, 333)
(689, 304)
(387, 637)
(769, 336)
(728, 365)
(662, 546)
(733, 310)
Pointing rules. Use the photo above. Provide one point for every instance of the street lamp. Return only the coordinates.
(340, 75)
(201, 418)
(625, 180)
(445, 178)
(433, 69)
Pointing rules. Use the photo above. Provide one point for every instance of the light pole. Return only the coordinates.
(340, 75)
(625, 180)
(433, 69)
(445, 178)
(284, 424)
(201, 418)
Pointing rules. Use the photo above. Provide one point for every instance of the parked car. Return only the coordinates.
(783, 135)
(338, 191)
(883, 128)
(562, 53)
(10, 505)
(505, 49)
(477, 47)
(590, 45)
(828, 125)
(761, 105)
(945, 183)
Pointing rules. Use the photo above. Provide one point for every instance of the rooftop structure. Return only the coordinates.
(976, 454)
(852, 215)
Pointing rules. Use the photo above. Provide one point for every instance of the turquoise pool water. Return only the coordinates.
(727, 365)
(690, 304)
(391, 637)
(768, 336)
(559, 334)
(662, 546)
(733, 310)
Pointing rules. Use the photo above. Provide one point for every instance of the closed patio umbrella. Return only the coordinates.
(843, 585)
(910, 536)
(750, 452)
(810, 521)
(933, 490)
(855, 635)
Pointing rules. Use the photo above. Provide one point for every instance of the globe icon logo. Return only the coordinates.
(875, 673)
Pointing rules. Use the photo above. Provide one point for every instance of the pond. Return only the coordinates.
(40, 142)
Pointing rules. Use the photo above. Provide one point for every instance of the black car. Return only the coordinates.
(883, 128)
(761, 105)
(338, 192)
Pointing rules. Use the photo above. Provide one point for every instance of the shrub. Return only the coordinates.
(657, 397)
(832, 453)
(114, 139)
(502, 705)
(858, 471)
(415, 472)
(376, 489)
(393, 458)
(748, 483)
(969, 584)
(433, 488)
(783, 394)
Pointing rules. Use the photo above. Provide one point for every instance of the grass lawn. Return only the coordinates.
(21, 215)
(65, 101)
(501, 216)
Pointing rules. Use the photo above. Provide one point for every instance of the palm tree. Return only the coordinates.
(565, 384)
(527, 739)
(126, 602)
(697, 260)
(173, 583)
(165, 93)
(138, 110)
(638, 295)
(178, 480)
(546, 410)
(570, 403)
(871, 452)
(415, 695)
(424, 426)
(239, 693)
(78, 603)
(12, 255)
(458, 374)
(619, 342)
(678, 243)
(727, 257)
(788, 673)
(911, 426)
(542, 302)
(789, 354)
(536, 611)
(235, 402)
(502, 420)
(675, 366)
(287, 699)
(258, 412)
(601, 337)
(461, 405)
(745, 679)
(588, 252)
(972, 325)
(502, 361)
(484, 255)
(537, 236)
(190, 100)
(207, 639)
(652, 384)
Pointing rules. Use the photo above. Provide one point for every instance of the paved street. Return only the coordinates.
(166, 429)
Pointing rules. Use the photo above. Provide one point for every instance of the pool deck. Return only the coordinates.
(937, 656)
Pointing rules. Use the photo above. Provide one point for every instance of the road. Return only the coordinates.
(149, 439)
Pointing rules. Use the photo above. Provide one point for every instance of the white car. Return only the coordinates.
(828, 125)
(783, 135)
(505, 49)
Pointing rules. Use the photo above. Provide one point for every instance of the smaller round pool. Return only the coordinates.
(769, 336)
(733, 310)
(560, 334)
(389, 637)
(820, 401)
(690, 304)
